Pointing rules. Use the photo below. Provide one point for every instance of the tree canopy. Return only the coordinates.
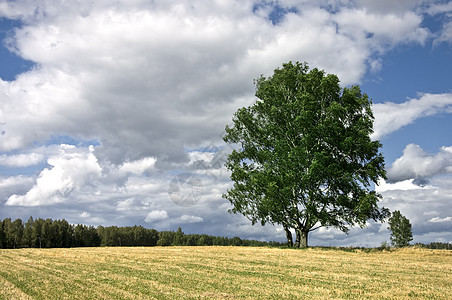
(305, 158)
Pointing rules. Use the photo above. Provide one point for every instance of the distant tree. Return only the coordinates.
(166, 238)
(18, 232)
(305, 158)
(49, 234)
(236, 241)
(86, 236)
(110, 236)
(152, 237)
(59, 233)
(27, 240)
(65, 233)
(127, 236)
(8, 238)
(93, 238)
(191, 239)
(179, 237)
(140, 236)
(12, 233)
(205, 240)
(220, 241)
(77, 237)
(36, 233)
(400, 227)
(2, 235)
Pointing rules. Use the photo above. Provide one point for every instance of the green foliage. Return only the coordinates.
(400, 227)
(305, 156)
(435, 245)
(383, 246)
(50, 233)
(165, 238)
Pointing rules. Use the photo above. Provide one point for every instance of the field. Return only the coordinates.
(224, 273)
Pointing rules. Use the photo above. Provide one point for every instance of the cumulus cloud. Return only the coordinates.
(440, 220)
(21, 160)
(389, 6)
(11, 181)
(390, 117)
(147, 79)
(155, 216)
(137, 167)
(70, 171)
(416, 163)
(404, 185)
(362, 24)
(190, 219)
(15, 184)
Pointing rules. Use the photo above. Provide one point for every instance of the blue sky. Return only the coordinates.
(409, 70)
(103, 104)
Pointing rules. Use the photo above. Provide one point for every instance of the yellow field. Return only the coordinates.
(223, 272)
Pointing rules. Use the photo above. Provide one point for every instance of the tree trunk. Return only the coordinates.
(302, 238)
(288, 236)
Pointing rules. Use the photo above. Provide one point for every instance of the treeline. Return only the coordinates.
(48, 233)
(435, 245)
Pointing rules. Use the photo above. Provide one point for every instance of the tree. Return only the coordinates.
(165, 238)
(36, 233)
(49, 234)
(305, 158)
(2, 236)
(18, 232)
(179, 238)
(400, 227)
(65, 233)
(28, 230)
(8, 239)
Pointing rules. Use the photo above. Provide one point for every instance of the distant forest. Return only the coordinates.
(48, 233)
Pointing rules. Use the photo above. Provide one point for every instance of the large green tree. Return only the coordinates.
(305, 158)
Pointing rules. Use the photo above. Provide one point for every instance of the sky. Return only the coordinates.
(113, 112)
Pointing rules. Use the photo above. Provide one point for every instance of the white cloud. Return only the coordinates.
(156, 215)
(416, 163)
(85, 215)
(405, 185)
(200, 156)
(379, 31)
(440, 220)
(137, 167)
(439, 8)
(71, 170)
(446, 34)
(190, 219)
(146, 79)
(12, 181)
(389, 6)
(390, 117)
(21, 160)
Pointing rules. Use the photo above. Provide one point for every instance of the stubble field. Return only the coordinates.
(224, 273)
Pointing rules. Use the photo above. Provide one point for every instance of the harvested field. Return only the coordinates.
(224, 273)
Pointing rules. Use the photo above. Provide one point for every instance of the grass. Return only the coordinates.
(224, 273)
